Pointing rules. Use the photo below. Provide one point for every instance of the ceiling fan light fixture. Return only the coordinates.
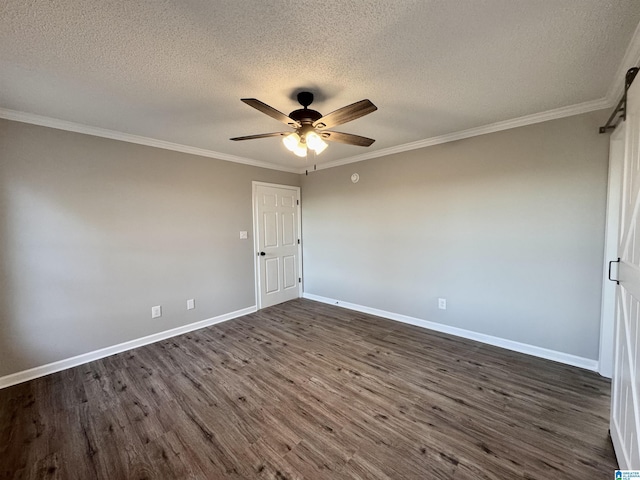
(315, 143)
(291, 141)
(321, 148)
(300, 150)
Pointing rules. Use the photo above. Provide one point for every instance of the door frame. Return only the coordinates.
(611, 239)
(256, 237)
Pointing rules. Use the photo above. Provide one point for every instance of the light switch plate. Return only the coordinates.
(191, 304)
(243, 235)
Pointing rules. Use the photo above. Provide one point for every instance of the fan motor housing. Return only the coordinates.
(305, 115)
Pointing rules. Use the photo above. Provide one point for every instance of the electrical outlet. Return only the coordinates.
(442, 303)
(191, 304)
(156, 311)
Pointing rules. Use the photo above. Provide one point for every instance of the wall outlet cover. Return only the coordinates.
(156, 311)
(191, 304)
(442, 303)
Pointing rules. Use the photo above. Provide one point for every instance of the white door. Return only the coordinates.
(625, 409)
(277, 214)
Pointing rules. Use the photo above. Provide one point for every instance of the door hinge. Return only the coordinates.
(298, 241)
(297, 202)
(299, 280)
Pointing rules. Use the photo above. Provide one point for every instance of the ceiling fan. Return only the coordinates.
(310, 126)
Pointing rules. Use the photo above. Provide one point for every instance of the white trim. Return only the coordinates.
(256, 246)
(630, 59)
(618, 442)
(554, 355)
(54, 367)
(130, 138)
(555, 114)
(256, 239)
(450, 137)
(611, 241)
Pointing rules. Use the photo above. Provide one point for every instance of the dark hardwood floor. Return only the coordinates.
(307, 390)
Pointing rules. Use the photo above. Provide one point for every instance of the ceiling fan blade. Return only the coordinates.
(272, 112)
(348, 138)
(261, 135)
(345, 114)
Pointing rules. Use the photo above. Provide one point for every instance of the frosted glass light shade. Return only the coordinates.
(322, 145)
(297, 145)
(315, 143)
(300, 150)
(313, 140)
(291, 141)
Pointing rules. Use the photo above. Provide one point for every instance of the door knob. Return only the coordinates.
(262, 254)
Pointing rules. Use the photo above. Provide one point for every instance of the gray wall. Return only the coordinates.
(94, 232)
(508, 227)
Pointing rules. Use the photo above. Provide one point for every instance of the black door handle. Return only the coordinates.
(611, 262)
(262, 254)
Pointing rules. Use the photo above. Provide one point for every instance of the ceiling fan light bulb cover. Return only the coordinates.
(291, 142)
(320, 147)
(313, 140)
(300, 150)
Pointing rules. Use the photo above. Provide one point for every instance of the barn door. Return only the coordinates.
(625, 407)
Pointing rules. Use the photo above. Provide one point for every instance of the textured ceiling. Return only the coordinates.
(176, 70)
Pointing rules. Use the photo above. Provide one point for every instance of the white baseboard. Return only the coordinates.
(618, 442)
(54, 367)
(554, 355)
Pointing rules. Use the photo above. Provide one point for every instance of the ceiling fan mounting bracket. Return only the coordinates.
(305, 99)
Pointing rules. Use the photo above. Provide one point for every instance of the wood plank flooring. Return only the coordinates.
(307, 390)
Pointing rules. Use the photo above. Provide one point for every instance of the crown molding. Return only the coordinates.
(474, 132)
(130, 138)
(630, 59)
(428, 142)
